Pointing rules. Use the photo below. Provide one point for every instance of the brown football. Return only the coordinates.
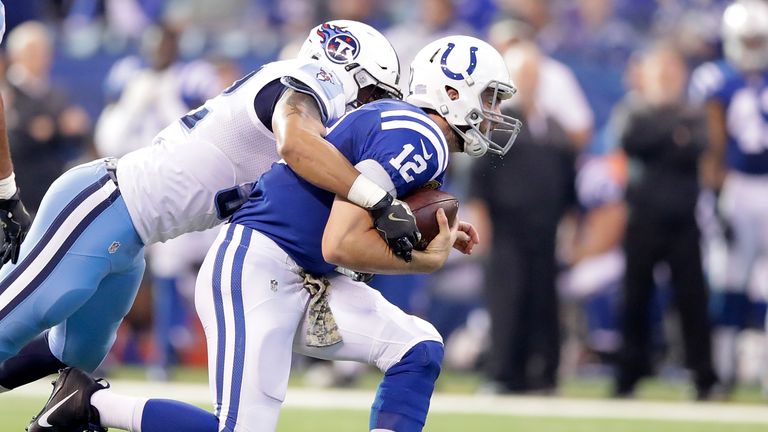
(424, 203)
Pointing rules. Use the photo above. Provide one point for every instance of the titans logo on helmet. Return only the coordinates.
(340, 45)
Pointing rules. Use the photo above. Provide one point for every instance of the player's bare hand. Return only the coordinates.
(434, 256)
(466, 238)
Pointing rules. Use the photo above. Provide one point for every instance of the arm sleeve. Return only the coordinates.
(323, 85)
(563, 97)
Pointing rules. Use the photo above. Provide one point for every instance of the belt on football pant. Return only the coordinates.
(111, 164)
(322, 330)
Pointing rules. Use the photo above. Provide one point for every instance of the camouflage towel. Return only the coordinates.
(322, 330)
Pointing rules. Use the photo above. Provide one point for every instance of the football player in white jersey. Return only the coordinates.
(734, 92)
(268, 286)
(80, 267)
(14, 219)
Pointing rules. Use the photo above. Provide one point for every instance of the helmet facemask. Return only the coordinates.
(487, 127)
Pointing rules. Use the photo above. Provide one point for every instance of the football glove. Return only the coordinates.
(15, 222)
(396, 224)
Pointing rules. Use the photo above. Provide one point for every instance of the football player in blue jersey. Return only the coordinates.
(734, 92)
(268, 288)
(80, 266)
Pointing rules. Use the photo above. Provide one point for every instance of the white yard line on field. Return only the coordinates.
(460, 404)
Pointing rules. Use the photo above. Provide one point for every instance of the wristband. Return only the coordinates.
(8, 186)
(365, 192)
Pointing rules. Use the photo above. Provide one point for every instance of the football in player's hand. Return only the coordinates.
(424, 203)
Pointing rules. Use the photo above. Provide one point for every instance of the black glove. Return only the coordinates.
(15, 222)
(396, 224)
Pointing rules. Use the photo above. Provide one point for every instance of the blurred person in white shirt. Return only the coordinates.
(558, 93)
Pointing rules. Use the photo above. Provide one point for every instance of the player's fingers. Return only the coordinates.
(472, 232)
(462, 243)
(442, 221)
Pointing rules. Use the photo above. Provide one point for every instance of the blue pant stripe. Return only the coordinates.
(52, 229)
(237, 307)
(218, 305)
(57, 257)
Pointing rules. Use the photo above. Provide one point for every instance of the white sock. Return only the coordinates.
(119, 411)
(725, 353)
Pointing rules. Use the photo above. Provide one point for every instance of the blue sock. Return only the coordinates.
(33, 362)
(163, 415)
(402, 400)
(730, 309)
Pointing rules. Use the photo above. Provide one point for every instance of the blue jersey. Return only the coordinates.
(392, 142)
(745, 101)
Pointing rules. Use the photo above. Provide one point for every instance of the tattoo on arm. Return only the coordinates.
(300, 104)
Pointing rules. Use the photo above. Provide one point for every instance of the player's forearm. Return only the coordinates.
(6, 166)
(367, 253)
(713, 160)
(318, 162)
(350, 241)
(299, 133)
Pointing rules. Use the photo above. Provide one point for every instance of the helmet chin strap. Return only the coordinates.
(474, 144)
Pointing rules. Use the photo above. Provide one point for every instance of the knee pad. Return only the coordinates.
(402, 401)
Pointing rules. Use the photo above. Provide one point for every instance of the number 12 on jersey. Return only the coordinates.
(416, 166)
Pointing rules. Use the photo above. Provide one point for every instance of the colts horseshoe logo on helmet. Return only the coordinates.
(458, 75)
(340, 45)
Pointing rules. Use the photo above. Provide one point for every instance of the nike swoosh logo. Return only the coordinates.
(43, 420)
(427, 156)
(392, 217)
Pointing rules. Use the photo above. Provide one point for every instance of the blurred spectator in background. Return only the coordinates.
(366, 11)
(694, 25)
(45, 130)
(556, 84)
(434, 19)
(150, 92)
(664, 140)
(519, 201)
(595, 256)
(735, 94)
(589, 37)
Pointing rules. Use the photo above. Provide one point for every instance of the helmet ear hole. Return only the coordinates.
(453, 94)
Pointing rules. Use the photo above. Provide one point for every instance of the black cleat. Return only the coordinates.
(69, 407)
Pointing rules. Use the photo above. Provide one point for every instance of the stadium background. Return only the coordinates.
(98, 46)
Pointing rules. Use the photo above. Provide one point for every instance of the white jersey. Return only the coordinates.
(170, 187)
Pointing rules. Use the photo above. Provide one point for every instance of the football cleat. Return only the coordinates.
(69, 407)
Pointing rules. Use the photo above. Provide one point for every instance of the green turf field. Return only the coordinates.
(16, 409)
(15, 413)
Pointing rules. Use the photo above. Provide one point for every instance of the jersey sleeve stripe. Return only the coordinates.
(413, 115)
(439, 147)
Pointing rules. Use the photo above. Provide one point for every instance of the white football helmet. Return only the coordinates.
(477, 71)
(745, 34)
(362, 57)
